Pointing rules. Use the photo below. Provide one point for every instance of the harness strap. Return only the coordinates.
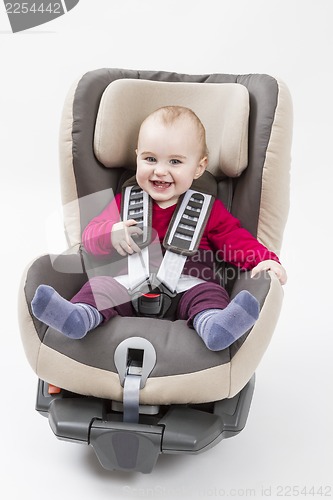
(181, 240)
(184, 235)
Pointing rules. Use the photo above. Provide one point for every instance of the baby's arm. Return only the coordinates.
(239, 247)
(96, 237)
(271, 265)
(106, 231)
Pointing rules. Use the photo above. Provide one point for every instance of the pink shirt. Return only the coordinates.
(223, 237)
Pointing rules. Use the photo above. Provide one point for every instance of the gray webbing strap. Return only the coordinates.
(131, 398)
(170, 269)
(134, 358)
(138, 268)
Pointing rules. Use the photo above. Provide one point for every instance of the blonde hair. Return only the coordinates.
(170, 114)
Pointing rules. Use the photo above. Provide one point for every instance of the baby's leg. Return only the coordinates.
(77, 317)
(73, 320)
(107, 295)
(219, 322)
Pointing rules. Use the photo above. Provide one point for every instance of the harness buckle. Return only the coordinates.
(152, 300)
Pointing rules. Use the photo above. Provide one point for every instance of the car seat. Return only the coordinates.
(142, 386)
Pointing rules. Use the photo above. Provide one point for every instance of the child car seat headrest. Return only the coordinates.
(223, 109)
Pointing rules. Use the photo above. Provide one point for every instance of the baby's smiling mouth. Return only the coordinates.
(161, 184)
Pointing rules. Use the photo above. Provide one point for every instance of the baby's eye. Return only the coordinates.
(150, 159)
(174, 161)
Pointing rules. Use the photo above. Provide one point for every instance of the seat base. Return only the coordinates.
(127, 446)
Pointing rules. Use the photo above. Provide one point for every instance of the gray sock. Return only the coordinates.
(73, 320)
(219, 328)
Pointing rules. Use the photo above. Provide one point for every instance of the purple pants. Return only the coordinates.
(112, 299)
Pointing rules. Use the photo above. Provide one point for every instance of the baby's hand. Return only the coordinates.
(121, 237)
(271, 265)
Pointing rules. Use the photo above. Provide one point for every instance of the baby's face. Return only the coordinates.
(169, 158)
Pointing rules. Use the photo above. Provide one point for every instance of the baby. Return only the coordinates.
(171, 154)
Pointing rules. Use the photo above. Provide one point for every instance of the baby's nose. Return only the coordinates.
(160, 169)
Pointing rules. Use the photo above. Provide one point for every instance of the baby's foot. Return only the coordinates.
(219, 328)
(73, 320)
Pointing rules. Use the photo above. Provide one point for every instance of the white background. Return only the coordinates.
(288, 438)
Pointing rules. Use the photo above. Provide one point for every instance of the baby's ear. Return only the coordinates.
(201, 167)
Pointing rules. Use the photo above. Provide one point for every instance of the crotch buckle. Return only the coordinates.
(152, 300)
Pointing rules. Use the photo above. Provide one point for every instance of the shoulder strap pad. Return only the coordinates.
(190, 217)
(136, 204)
